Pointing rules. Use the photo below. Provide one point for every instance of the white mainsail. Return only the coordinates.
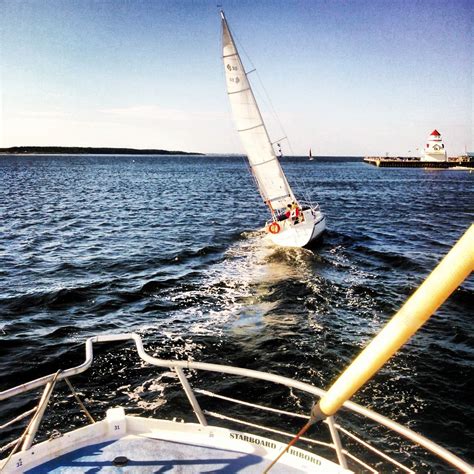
(264, 163)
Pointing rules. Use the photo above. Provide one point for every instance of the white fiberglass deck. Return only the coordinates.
(152, 446)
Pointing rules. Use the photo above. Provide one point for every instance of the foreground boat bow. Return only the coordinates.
(148, 444)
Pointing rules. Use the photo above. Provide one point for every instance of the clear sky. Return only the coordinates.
(346, 77)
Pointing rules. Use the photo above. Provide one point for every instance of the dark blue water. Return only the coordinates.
(170, 247)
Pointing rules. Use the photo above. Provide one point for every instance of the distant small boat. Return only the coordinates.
(310, 155)
(293, 223)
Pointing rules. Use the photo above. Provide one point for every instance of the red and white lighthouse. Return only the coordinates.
(434, 148)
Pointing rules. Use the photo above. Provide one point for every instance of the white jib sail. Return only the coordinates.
(263, 161)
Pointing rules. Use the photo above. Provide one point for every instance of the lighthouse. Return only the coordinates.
(434, 148)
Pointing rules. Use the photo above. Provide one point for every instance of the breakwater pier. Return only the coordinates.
(410, 162)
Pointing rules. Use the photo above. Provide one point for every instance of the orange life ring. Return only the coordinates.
(274, 228)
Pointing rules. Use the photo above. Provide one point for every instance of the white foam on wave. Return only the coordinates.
(232, 292)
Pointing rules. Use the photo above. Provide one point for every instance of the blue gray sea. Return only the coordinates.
(171, 247)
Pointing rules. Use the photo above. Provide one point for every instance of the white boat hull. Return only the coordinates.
(302, 234)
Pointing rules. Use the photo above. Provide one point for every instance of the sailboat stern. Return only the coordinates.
(289, 234)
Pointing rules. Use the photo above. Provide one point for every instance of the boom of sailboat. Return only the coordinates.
(293, 223)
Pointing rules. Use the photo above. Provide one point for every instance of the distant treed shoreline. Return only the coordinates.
(76, 150)
(61, 150)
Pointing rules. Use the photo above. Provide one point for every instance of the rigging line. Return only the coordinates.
(266, 95)
(280, 140)
(301, 185)
(79, 401)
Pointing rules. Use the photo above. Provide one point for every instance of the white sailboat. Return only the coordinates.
(310, 157)
(293, 223)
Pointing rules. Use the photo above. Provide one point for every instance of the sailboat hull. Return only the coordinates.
(302, 234)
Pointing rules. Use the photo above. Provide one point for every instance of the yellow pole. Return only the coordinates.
(444, 279)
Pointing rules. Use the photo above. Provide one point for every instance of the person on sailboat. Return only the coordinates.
(294, 212)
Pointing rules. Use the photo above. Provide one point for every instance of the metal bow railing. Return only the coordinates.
(336, 430)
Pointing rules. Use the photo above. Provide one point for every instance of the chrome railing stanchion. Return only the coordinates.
(38, 416)
(337, 442)
(191, 397)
